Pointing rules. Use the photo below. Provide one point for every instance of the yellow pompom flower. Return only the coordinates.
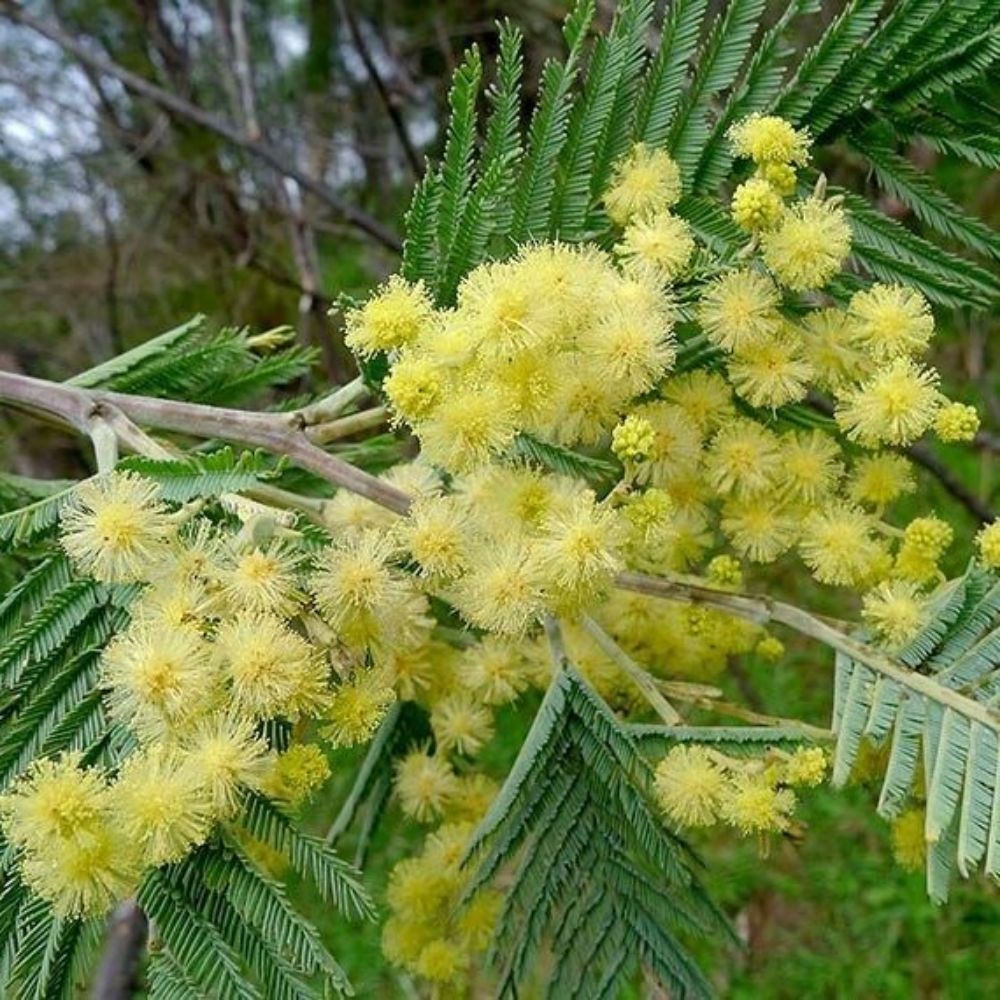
(494, 670)
(738, 309)
(751, 804)
(160, 806)
(811, 467)
(159, 677)
(895, 610)
(393, 317)
(477, 920)
(501, 592)
(631, 348)
(84, 877)
(645, 182)
(894, 407)
(909, 845)
(442, 961)
(677, 443)
(436, 532)
(474, 794)
(744, 458)
(808, 246)
(880, 479)
(356, 709)
(756, 205)
(769, 139)
(781, 176)
(891, 321)
(296, 774)
(469, 427)
(770, 371)
(272, 670)
(462, 725)
(419, 891)
(956, 422)
(414, 386)
(770, 648)
(633, 439)
(658, 248)
(988, 541)
(115, 527)
(689, 786)
(263, 579)
(828, 343)
(578, 554)
(225, 757)
(928, 537)
(807, 766)
(53, 802)
(759, 527)
(705, 397)
(586, 405)
(838, 546)
(425, 785)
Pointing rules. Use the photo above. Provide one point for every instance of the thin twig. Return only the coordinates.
(337, 430)
(126, 939)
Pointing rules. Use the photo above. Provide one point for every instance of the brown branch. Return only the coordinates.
(199, 116)
(123, 947)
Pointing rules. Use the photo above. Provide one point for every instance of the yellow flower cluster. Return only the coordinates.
(698, 786)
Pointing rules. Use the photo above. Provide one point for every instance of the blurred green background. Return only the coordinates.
(119, 219)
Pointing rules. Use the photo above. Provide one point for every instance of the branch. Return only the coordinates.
(127, 929)
(278, 433)
(205, 119)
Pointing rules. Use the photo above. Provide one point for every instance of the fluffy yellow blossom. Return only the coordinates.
(658, 248)
(807, 766)
(808, 246)
(414, 386)
(631, 348)
(895, 406)
(752, 805)
(160, 806)
(473, 795)
(460, 724)
(263, 579)
(880, 479)
(442, 961)
(84, 878)
(744, 458)
(677, 443)
(436, 532)
(781, 176)
(356, 709)
(586, 408)
(988, 541)
(756, 205)
(924, 542)
(769, 139)
(891, 321)
(159, 677)
(477, 920)
(494, 670)
(759, 527)
(828, 344)
(838, 544)
(470, 426)
(395, 316)
(811, 467)
(272, 669)
(705, 397)
(956, 422)
(501, 592)
(771, 371)
(909, 846)
(418, 891)
(739, 308)
(645, 182)
(895, 610)
(225, 757)
(578, 554)
(115, 527)
(689, 786)
(296, 774)
(53, 802)
(425, 785)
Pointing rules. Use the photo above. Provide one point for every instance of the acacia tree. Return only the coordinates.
(643, 347)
